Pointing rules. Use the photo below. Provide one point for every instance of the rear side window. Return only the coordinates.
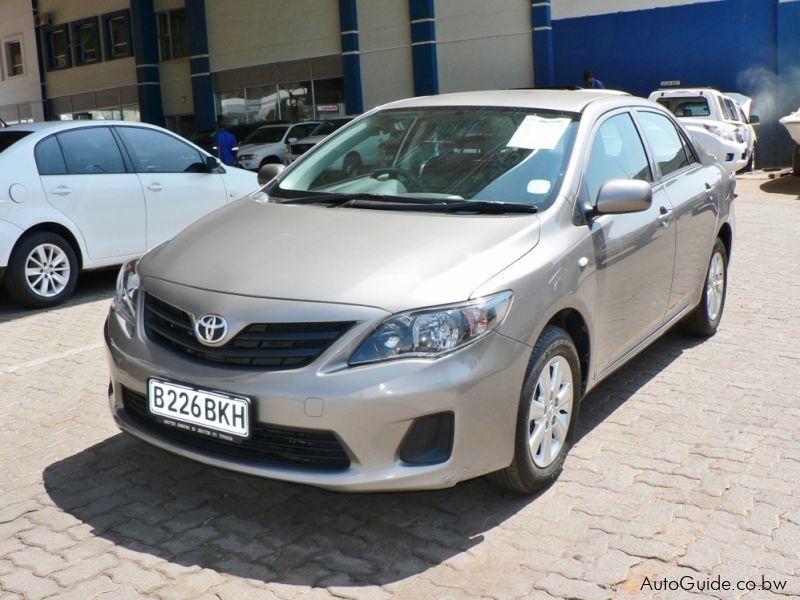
(91, 151)
(156, 152)
(668, 146)
(49, 158)
(9, 138)
(617, 153)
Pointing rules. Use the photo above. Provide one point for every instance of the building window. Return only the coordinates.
(14, 63)
(172, 39)
(117, 27)
(58, 54)
(86, 41)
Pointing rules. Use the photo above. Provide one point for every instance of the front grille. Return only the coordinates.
(266, 346)
(267, 444)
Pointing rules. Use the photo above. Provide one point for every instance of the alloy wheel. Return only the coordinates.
(550, 411)
(47, 270)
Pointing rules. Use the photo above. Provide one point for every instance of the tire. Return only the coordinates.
(531, 468)
(59, 270)
(704, 319)
(751, 164)
(796, 160)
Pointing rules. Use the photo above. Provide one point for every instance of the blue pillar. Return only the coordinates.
(542, 32)
(423, 47)
(351, 57)
(202, 83)
(145, 48)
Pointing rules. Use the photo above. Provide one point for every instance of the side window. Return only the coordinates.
(91, 151)
(156, 152)
(300, 131)
(617, 153)
(49, 159)
(732, 110)
(668, 146)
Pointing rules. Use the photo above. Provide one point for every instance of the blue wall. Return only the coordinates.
(731, 45)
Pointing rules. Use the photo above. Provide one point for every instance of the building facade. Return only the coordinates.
(180, 63)
(20, 90)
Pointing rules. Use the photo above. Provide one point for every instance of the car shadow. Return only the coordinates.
(150, 501)
(789, 186)
(92, 285)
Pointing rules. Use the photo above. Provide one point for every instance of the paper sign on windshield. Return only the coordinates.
(539, 133)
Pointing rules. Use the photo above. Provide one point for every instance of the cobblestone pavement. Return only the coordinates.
(688, 464)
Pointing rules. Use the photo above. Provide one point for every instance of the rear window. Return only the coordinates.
(686, 106)
(9, 138)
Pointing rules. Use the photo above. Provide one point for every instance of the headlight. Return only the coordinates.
(246, 156)
(725, 134)
(124, 303)
(429, 333)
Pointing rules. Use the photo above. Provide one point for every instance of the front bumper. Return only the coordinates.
(250, 164)
(369, 409)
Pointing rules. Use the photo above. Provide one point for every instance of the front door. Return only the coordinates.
(634, 252)
(178, 189)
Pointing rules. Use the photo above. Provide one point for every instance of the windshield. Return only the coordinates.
(694, 106)
(459, 153)
(266, 135)
(9, 138)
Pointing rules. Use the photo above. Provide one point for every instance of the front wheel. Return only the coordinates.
(705, 317)
(547, 414)
(43, 270)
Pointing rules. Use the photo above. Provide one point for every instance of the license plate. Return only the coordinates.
(213, 414)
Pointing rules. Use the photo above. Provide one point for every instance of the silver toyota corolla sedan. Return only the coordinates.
(436, 313)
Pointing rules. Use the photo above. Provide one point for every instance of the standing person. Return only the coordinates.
(591, 81)
(225, 144)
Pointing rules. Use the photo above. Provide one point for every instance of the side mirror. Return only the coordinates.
(291, 140)
(618, 196)
(269, 172)
(212, 163)
(754, 120)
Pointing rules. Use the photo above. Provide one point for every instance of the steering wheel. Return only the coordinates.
(407, 178)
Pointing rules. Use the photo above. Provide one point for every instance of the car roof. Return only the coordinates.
(573, 101)
(43, 128)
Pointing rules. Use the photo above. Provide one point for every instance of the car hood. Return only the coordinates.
(312, 139)
(387, 259)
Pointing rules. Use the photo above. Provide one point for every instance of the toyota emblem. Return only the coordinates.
(211, 330)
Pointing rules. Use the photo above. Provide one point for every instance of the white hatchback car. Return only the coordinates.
(86, 194)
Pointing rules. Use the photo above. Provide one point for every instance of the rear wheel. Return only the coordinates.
(547, 414)
(43, 270)
(705, 318)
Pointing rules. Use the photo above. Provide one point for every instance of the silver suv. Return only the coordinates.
(438, 316)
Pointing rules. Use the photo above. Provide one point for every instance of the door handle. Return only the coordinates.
(61, 190)
(665, 216)
(155, 187)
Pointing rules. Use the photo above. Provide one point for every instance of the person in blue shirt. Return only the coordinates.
(227, 148)
(591, 81)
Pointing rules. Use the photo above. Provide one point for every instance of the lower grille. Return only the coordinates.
(267, 444)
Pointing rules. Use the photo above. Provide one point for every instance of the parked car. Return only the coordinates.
(81, 195)
(720, 123)
(319, 133)
(439, 317)
(267, 144)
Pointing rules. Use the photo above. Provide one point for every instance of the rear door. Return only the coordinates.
(689, 186)
(178, 189)
(85, 176)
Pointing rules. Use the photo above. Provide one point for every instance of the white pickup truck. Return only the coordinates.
(720, 122)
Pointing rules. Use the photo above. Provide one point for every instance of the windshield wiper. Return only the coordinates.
(384, 202)
(343, 198)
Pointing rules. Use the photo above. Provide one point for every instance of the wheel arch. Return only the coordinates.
(56, 228)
